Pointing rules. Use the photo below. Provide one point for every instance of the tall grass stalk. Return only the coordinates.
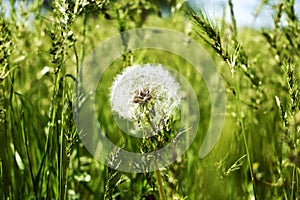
(237, 91)
(241, 121)
(236, 58)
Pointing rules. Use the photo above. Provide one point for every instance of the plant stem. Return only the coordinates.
(237, 89)
(162, 195)
(293, 181)
(248, 158)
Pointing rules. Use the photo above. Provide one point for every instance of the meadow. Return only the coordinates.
(42, 49)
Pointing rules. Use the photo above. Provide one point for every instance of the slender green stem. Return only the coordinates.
(24, 135)
(233, 20)
(162, 195)
(244, 137)
(293, 181)
(248, 158)
(61, 165)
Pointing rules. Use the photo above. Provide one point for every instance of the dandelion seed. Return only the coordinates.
(139, 86)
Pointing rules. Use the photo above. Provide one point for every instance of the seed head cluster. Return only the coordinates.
(138, 85)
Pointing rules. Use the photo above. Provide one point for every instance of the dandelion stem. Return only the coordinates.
(162, 195)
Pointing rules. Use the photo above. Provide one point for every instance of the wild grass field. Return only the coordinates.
(42, 48)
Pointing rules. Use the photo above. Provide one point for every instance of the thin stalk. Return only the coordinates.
(233, 20)
(162, 195)
(293, 181)
(61, 139)
(1, 180)
(79, 74)
(245, 137)
(61, 175)
(248, 158)
(67, 148)
(84, 38)
(28, 156)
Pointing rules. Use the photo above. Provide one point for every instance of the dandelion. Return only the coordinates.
(145, 89)
(149, 96)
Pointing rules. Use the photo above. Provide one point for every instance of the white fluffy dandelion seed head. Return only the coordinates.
(136, 78)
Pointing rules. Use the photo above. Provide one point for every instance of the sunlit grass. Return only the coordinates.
(42, 157)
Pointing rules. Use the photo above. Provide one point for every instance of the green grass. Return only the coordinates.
(42, 156)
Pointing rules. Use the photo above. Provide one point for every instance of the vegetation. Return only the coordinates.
(42, 50)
